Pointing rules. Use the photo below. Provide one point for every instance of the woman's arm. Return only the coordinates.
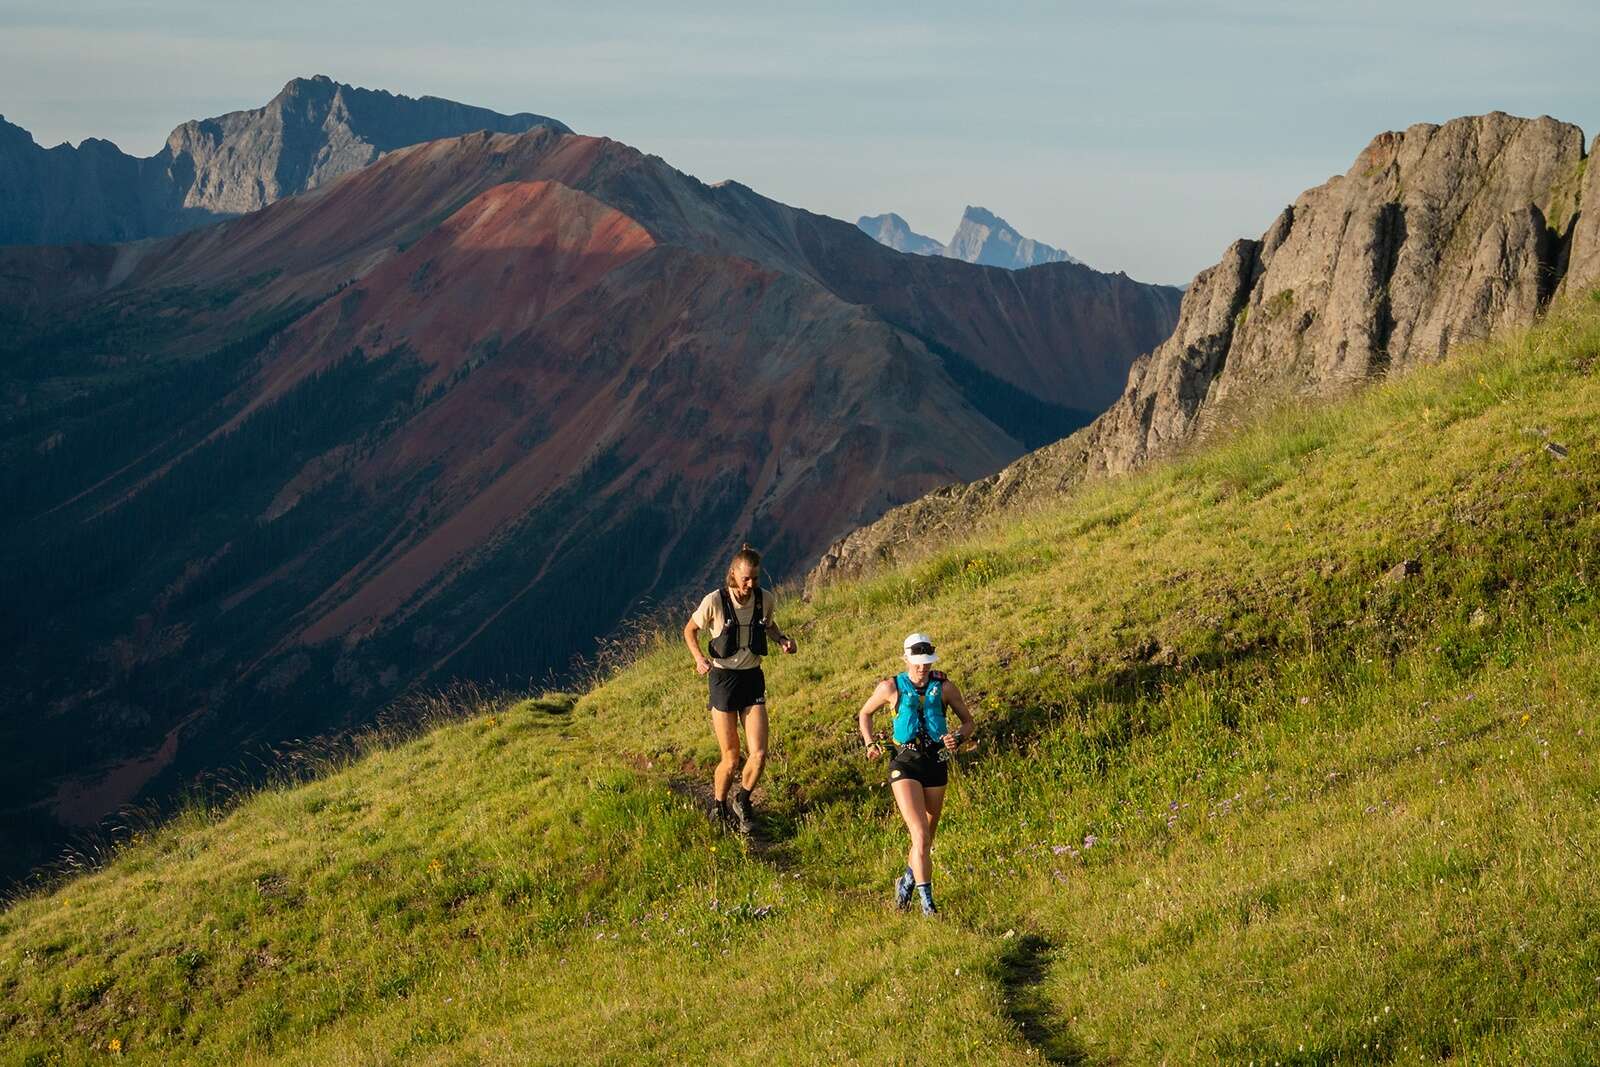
(953, 697)
(881, 695)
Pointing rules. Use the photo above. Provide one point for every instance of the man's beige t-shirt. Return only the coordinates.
(708, 616)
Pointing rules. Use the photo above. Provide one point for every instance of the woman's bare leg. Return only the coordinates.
(909, 795)
(933, 800)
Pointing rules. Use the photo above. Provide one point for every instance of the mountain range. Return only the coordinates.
(313, 131)
(455, 415)
(982, 237)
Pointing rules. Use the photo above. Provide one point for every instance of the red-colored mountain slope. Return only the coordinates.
(454, 415)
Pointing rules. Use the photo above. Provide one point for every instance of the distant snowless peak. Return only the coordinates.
(982, 237)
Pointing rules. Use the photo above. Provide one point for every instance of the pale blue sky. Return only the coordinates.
(1140, 136)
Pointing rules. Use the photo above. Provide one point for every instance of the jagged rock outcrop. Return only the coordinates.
(896, 233)
(1583, 264)
(1436, 235)
(313, 131)
(982, 237)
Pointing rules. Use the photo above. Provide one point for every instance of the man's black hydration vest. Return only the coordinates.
(726, 645)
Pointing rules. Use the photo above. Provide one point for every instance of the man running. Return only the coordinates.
(920, 770)
(738, 617)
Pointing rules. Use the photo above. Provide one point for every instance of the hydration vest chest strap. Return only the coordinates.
(728, 643)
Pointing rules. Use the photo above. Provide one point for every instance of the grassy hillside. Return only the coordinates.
(1238, 796)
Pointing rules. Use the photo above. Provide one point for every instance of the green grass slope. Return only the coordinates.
(1238, 797)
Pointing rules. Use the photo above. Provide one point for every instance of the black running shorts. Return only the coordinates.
(920, 765)
(737, 690)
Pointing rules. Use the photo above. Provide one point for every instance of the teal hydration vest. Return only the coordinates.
(919, 714)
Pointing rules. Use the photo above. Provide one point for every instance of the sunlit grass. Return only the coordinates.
(1239, 796)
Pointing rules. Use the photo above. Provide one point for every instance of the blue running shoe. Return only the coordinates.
(902, 890)
(925, 894)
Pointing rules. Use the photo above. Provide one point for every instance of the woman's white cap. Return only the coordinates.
(919, 649)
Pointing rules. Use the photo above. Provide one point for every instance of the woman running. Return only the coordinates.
(920, 769)
(739, 618)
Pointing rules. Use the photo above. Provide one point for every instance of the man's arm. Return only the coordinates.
(785, 642)
(691, 637)
(770, 624)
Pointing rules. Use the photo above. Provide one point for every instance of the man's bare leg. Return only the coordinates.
(755, 740)
(725, 724)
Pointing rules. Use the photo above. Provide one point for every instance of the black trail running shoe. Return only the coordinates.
(744, 819)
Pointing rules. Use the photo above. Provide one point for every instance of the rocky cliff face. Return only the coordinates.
(315, 130)
(1583, 257)
(1436, 235)
(982, 237)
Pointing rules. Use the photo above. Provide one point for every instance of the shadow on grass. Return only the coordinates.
(211, 795)
(1020, 970)
(1124, 692)
(764, 843)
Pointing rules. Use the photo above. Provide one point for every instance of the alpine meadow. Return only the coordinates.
(1285, 753)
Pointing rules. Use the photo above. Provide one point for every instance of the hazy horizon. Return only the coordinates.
(1141, 139)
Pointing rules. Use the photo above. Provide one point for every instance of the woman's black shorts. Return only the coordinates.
(737, 690)
(920, 765)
